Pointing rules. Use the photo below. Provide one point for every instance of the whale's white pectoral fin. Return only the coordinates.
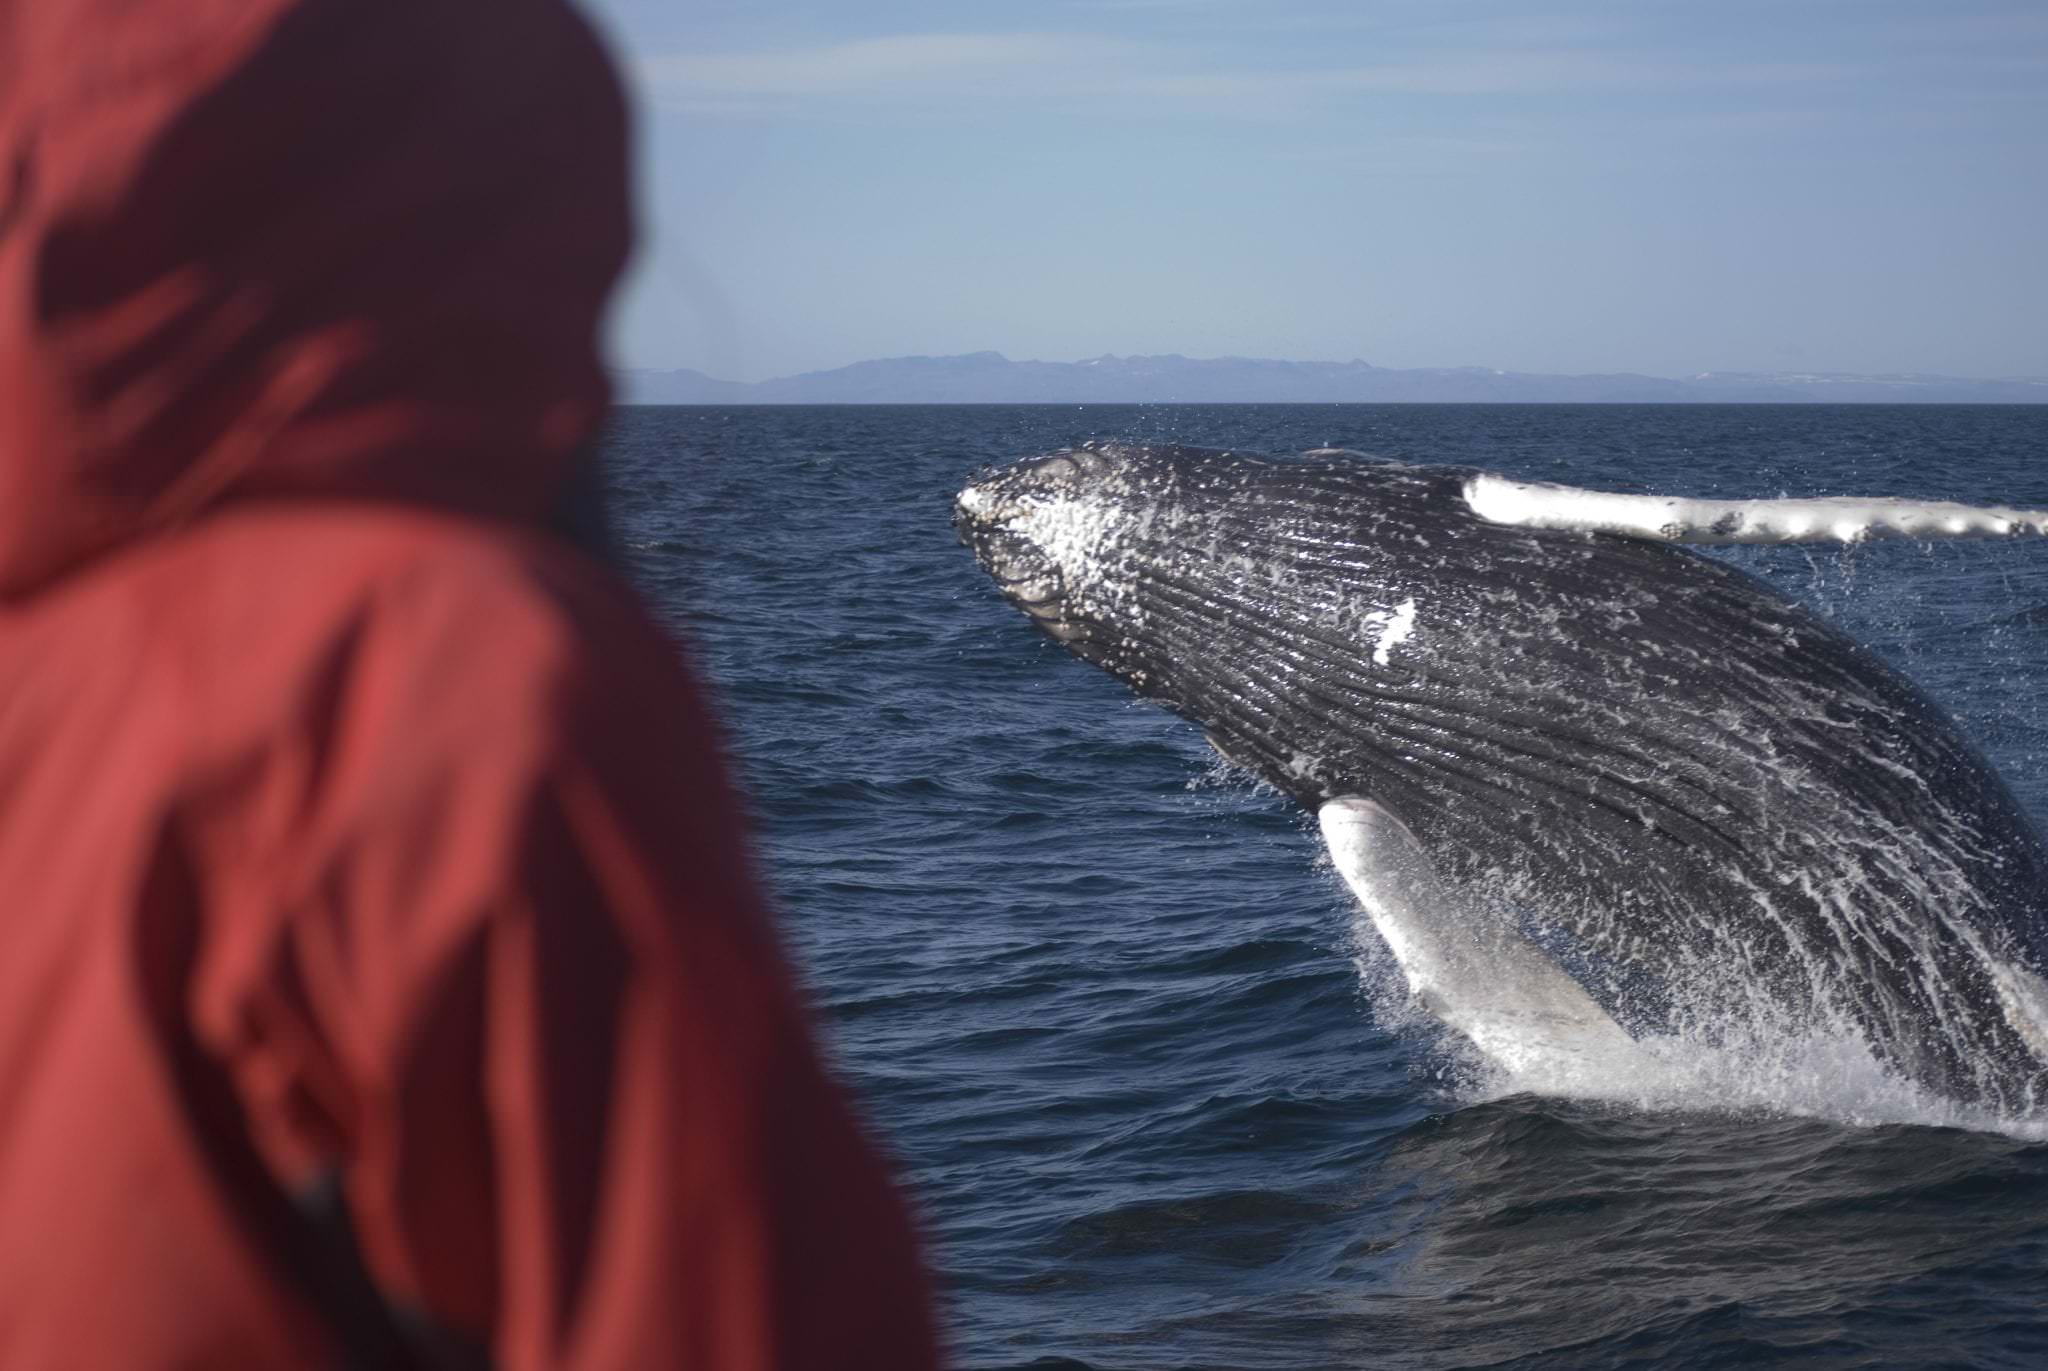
(1465, 964)
(1674, 519)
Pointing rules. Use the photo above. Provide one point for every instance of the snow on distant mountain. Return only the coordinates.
(991, 378)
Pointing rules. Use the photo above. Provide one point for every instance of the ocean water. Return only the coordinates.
(1104, 1002)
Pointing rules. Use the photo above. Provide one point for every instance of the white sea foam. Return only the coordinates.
(1823, 1071)
(1673, 519)
(1823, 1077)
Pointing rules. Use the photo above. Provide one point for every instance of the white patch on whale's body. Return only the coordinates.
(1389, 629)
(1464, 963)
(1674, 519)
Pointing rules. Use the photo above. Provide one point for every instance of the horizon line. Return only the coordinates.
(1782, 373)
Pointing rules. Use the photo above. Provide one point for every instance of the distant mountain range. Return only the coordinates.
(991, 378)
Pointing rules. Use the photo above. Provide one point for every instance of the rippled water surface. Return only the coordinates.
(1105, 1004)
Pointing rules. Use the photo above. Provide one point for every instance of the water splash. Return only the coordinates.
(1737, 1065)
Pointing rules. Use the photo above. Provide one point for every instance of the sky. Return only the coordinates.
(1640, 185)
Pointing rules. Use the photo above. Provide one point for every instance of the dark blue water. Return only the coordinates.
(1101, 1002)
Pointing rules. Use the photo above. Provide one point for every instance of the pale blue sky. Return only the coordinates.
(1843, 185)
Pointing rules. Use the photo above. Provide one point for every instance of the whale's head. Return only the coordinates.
(1040, 529)
(1069, 539)
(1242, 591)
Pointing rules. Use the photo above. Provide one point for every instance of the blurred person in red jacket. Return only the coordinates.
(382, 981)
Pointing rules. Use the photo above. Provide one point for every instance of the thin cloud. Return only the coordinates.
(1100, 71)
(1115, 6)
(904, 63)
(1559, 73)
(1950, 30)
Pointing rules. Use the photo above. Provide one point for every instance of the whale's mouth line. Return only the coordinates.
(1007, 581)
(1027, 577)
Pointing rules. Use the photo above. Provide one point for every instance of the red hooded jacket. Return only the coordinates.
(381, 980)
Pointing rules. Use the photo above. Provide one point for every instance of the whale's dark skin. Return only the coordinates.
(1710, 805)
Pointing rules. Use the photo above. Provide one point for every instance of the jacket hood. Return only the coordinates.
(328, 249)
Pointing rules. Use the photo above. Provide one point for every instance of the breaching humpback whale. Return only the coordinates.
(1590, 787)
